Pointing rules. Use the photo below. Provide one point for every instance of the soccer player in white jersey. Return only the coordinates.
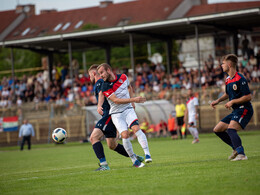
(192, 114)
(119, 93)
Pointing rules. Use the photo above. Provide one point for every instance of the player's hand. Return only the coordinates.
(133, 104)
(100, 110)
(140, 99)
(214, 103)
(229, 104)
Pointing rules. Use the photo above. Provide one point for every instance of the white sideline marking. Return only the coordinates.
(45, 170)
(45, 177)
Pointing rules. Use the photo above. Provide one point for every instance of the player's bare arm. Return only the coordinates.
(216, 102)
(101, 99)
(130, 89)
(197, 112)
(241, 100)
(117, 100)
(185, 115)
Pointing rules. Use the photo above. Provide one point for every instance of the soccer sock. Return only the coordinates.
(236, 141)
(121, 150)
(129, 149)
(99, 151)
(191, 129)
(225, 138)
(196, 133)
(143, 141)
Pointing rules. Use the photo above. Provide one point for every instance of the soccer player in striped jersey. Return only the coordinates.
(119, 93)
(192, 114)
(104, 126)
(238, 92)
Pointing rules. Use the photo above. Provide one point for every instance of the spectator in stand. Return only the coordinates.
(255, 74)
(244, 62)
(210, 62)
(3, 102)
(245, 44)
(258, 58)
(75, 67)
(252, 60)
(64, 73)
(146, 68)
(67, 82)
(139, 69)
(19, 102)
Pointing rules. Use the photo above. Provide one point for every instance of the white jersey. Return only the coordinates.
(119, 87)
(191, 106)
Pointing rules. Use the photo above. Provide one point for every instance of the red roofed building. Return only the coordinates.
(220, 7)
(108, 14)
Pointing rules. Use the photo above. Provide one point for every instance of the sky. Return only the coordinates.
(62, 5)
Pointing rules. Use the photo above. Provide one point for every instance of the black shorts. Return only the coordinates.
(173, 132)
(180, 121)
(106, 125)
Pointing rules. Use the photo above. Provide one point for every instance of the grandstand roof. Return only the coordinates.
(118, 14)
(220, 7)
(142, 18)
(7, 17)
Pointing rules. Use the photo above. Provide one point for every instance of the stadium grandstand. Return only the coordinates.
(56, 92)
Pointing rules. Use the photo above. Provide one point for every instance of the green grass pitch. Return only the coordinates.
(178, 167)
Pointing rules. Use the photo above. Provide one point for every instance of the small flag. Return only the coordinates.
(10, 123)
(1, 124)
(183, 129)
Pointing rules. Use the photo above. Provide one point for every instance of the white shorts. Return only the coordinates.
(192, 120)
(124, 120)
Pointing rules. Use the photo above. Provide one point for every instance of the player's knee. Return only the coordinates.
(112, 146)
(215, 130)
(125, 134)
(93, 139)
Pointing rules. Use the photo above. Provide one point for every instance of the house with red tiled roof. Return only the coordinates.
(13, 18)
(109, 14)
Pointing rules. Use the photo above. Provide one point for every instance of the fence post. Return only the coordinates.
(255, 114)
(217, 115)
(37, 127)
(83, 126)
(8, 137)
(68, 126)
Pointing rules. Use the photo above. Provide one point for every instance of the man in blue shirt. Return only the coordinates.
(238, 92)
(26, 131)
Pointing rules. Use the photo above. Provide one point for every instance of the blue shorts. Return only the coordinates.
(106, 125)
(241, 115)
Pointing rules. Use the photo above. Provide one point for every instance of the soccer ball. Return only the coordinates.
(59, 135)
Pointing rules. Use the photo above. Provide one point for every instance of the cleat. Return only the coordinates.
(233, 155)
(195, 141)
(140, 158)
(103, 168)
(148, 158)
(138, 164)
(240, 157)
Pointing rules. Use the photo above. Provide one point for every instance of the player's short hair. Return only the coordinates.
(105, 66)
(232, 58)
(93, 67)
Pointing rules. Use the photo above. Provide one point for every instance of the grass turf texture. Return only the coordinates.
(178, 167)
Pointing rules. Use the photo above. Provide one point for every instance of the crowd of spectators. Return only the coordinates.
(151, 81)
